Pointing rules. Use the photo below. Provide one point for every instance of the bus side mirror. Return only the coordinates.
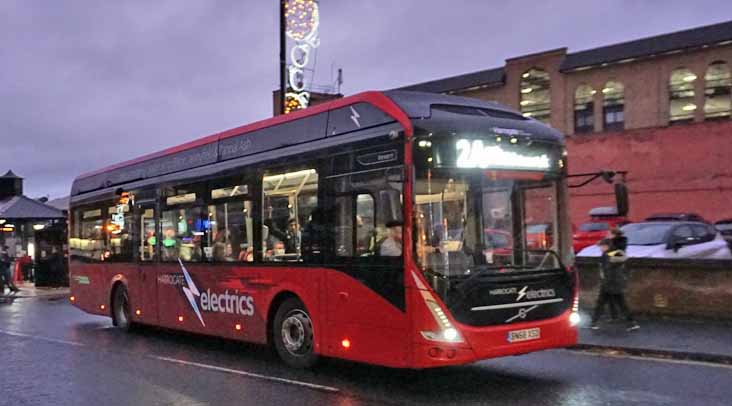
(621, 199)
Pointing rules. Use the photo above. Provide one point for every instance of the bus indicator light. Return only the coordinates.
(237, 327)
(102, 307)
(138, 312)
(72, 298)
(180, 319)
(346, 343)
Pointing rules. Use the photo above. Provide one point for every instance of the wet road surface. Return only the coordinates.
(52, 353)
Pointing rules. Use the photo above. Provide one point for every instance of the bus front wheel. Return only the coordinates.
(121, 308)
(293, 334)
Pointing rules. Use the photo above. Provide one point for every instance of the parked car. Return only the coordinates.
(498, 242)
(676, 217)
(602, 219)
(670, 239)
(539, 236)
(725, 228)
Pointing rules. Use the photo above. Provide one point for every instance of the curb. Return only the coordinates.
(656, 353)
(54, 296)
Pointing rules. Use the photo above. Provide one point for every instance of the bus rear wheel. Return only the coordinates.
(293, 334)
(121, 308)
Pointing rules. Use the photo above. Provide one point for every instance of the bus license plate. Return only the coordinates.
(524, 335)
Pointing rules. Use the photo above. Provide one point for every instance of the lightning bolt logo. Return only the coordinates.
(521, 293)
(355, 116)
(190, 291)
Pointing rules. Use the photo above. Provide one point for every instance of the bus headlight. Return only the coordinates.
(447, 332)
(448, 335)
(574, 319)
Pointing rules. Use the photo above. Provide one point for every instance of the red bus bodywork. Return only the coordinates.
(350, 321)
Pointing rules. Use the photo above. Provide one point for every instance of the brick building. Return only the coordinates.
(657, 107)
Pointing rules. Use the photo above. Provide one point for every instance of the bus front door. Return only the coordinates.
(147, 257)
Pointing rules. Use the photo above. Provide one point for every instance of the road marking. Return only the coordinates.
(248, 374)
(652, 359)
(35, 337)
(188, 363)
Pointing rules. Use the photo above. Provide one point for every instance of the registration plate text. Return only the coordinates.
(524, 335)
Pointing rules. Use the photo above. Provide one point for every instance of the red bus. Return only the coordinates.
(353, 229)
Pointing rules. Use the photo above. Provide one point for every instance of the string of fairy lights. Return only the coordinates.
(302, 20)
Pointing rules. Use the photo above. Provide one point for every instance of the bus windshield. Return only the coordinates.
(485, 221)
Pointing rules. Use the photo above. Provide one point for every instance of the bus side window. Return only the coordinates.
(230, 238)
(121, 232)
(355, 233)
(344, 226)
(147, 238)
(88, 240)
(184, 225)
(288, 200)
(365, 225)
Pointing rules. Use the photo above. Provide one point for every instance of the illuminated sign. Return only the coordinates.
(302, 23)
(118, 216)
(474, 154)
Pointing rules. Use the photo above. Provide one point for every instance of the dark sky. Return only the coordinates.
(88, 83)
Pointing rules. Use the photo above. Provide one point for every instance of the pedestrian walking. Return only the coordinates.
(6, 271)
(614, 278)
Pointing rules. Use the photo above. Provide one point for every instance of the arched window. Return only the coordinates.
(584, 109)
(681, 95)
(535, 97)
(613, 105)
(718, 92)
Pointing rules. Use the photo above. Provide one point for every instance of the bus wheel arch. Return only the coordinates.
(287, 312)
(119, 306)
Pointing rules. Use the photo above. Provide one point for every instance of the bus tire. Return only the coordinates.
(294, 339)
(122, 316)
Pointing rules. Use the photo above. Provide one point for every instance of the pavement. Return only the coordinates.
(29, 290)
(700, 340)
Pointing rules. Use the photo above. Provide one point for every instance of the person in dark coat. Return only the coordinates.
(614, 279)
(5, 272)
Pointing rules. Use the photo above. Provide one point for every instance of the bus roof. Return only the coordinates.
(341, 116)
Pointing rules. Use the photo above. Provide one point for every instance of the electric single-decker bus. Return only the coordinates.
(396, 228)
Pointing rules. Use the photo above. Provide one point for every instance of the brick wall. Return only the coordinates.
(672, 288)
(686, 167)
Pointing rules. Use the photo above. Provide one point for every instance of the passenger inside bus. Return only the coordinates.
(169, 248)
(292, 237)
(392, 245)
(222, 251)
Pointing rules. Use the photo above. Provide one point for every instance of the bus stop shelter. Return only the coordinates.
(34, 232)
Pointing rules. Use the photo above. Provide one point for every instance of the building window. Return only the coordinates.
(718, 92)
(613, 105)
(535, 96)
(681, 95)
(584, 109)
